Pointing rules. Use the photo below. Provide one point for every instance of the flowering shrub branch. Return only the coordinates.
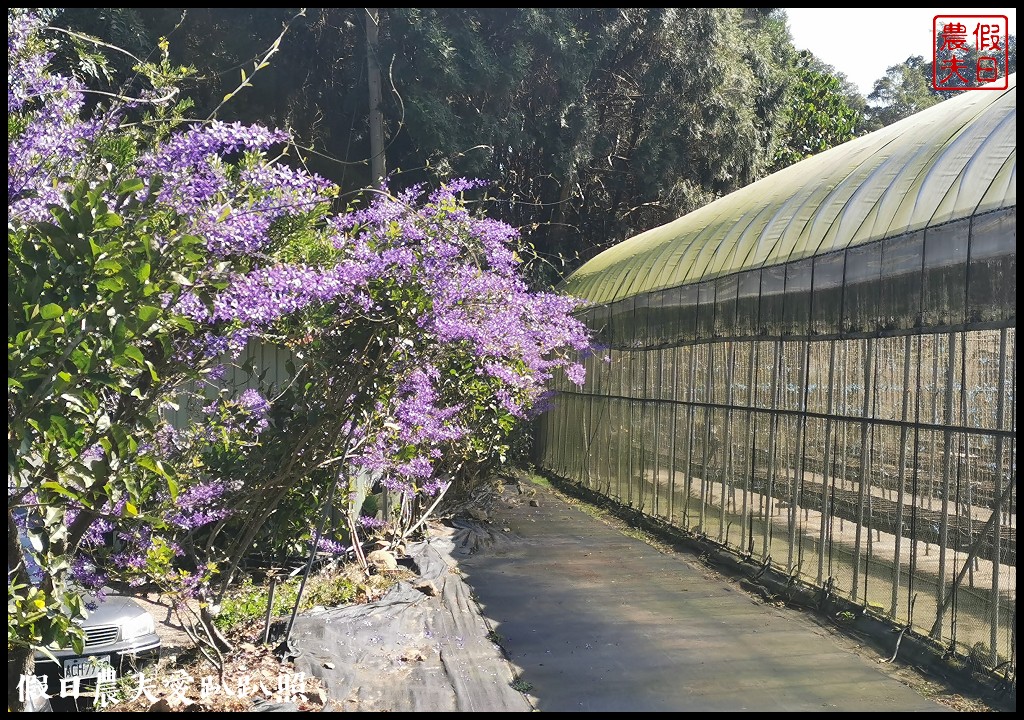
(143, 259)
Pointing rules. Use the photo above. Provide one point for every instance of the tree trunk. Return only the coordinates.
(20, 660)
(20, 664)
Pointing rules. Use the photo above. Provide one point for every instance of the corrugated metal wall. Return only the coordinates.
(260, 366)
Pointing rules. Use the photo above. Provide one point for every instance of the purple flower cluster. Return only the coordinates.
(331, 546)
(55, 137)
(417, 419)
(232, 211)
(84, 573)
(92, 453)
(199, 505)
(242, 419)
(28, 76)
(98, 532)
(434, 486)
(451, 189)
(471, 303)
(254, 409)
(167, 443)
(420, 413)
(467, 269)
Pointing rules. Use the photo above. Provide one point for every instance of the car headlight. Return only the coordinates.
(137, 627)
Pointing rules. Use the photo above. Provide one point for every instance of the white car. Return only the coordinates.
(119, 634)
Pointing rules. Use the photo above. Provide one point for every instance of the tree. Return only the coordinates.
(594, 123)
(598, 123)
(822, 112)
(905, 89)
(377, 160)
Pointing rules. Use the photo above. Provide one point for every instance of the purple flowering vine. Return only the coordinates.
(462, 348)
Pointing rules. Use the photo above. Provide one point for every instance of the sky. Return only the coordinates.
(862, 44)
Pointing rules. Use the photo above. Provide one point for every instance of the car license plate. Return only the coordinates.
(87, 667)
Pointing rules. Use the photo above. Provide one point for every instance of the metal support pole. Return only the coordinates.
(705, 485)
(798, 477)
(689, 433)
(864, 485)
(824, 532)
(672, 439)
(270, 609)
(947, 463)
(902, 478)
(748, 472)
(774, 426)
(656, 403)
(997, 508)
(727, 494)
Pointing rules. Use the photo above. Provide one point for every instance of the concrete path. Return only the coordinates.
(594, 620)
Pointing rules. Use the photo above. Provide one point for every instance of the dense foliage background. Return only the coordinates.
(594, 123)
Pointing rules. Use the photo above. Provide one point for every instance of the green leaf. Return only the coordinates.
(156, 183)
(35, 541)
(108, 264)
(51, 311)
(153, 465)
(78, 643)
(59, 489)
(112, 284)
(135, 354)
(118, 331)
(172, 488)
(130, 186)
(108, 220)
(74, 400)
(184, 323)
(61, 424)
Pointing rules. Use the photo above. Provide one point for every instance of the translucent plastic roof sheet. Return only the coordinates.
(952, 161)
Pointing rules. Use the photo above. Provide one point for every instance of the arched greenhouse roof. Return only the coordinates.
(952, 162)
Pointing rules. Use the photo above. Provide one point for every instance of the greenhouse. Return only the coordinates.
(818, 372)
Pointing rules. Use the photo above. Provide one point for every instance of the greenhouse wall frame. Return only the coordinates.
(818, 372)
